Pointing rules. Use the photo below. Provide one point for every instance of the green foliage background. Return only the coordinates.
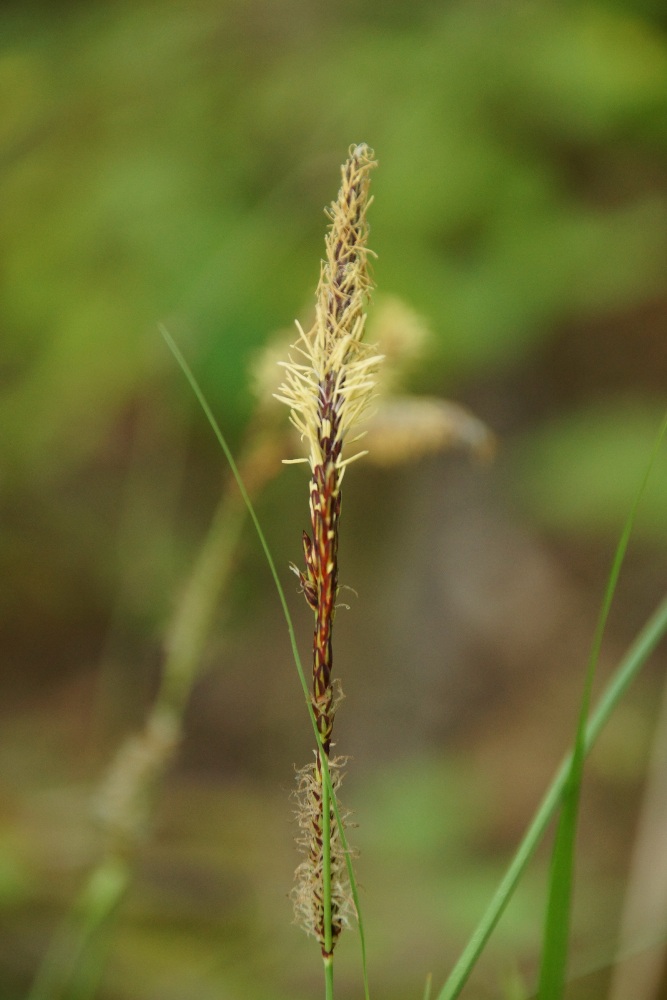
(169, 162)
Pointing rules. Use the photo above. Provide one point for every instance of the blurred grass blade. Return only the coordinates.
(630, 666)
(171, 344)
(553, 968)
(74, 962)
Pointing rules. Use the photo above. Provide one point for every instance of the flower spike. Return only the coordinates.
(328, 385)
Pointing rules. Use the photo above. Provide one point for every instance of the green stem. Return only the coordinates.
(326, 874)
(328, 977)
(641, 649)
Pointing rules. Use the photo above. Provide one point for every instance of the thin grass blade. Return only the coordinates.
(632, 663)
(638, 654)
(553, 969)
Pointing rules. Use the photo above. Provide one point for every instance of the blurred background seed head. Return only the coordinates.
(170, 162)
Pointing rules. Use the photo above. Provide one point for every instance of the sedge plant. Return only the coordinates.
(560, 791)
(635, 659)
(328, 388)
(329, 385)
(400, 428)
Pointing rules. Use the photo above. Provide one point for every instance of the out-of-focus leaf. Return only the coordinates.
(159, 167)
(578, 474)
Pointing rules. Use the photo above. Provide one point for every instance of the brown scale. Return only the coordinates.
(320, 587)
(326, 508)
(320, 581)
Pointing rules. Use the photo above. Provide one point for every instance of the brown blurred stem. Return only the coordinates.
(73, 964)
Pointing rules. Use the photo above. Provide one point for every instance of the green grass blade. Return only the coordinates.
(185, 368)
(632, 663)
(645, 643)
(553, 968)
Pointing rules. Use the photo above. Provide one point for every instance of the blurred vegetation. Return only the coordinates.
(169, 162)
